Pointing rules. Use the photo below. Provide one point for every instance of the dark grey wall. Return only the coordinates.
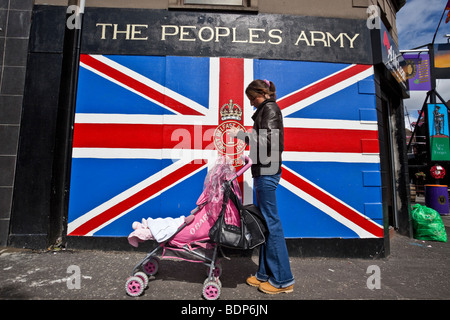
(31, 202)
(15, 21)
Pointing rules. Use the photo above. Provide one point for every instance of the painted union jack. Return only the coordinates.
(146, 128)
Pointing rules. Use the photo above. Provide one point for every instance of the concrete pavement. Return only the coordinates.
(415, 269)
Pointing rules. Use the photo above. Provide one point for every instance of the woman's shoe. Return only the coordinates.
(266, 287)
(252, 281)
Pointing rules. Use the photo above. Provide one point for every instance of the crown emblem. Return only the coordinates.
(231, 111)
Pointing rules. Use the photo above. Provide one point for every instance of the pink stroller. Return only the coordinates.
(191, 242)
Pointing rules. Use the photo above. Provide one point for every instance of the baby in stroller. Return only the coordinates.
(162, 229)
(187, 238)
(159, 229)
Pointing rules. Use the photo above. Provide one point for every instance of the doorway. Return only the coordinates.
(388, 162)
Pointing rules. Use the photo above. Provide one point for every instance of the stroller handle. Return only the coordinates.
(248, 164)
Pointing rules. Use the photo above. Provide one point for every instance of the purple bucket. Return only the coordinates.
(436, 197)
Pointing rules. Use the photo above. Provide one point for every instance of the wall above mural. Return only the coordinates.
(161, 32)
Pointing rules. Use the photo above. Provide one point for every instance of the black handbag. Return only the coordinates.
(252, 232)
(255, 231)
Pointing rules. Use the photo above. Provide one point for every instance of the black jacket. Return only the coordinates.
(266, 140)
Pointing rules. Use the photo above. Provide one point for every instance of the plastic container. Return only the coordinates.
(436, 197)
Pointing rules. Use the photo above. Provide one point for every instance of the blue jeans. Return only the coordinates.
(274, 263)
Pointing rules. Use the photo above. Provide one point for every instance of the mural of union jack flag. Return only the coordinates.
(145, 129)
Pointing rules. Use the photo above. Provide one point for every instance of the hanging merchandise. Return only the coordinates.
(438, 172)
(438, 132)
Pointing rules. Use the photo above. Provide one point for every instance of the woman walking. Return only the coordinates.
(266, 145)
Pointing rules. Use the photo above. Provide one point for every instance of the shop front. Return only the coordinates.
(156, 90)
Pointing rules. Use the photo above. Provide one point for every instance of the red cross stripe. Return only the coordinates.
(138, 136)
(194, 134)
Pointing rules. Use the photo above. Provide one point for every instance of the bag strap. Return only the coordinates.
(226, 197)
(235, 199)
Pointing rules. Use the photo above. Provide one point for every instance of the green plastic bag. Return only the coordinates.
(427, 224)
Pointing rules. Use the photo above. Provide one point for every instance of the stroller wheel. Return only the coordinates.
(134, 286)
(151, 266)
(143, 277)
(216, 281)
(211, 290)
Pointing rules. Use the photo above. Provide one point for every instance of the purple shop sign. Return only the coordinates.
(417, 70)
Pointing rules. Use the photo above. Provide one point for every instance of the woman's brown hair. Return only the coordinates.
(261, 88)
